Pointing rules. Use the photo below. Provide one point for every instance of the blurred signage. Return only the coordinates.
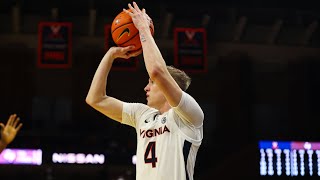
(54, 45)
(134, 159)
(190, 49)
(21, 156)
(77, 158)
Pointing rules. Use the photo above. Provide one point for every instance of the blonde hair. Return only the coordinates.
(182, 78)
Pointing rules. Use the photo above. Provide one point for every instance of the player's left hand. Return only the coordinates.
(139, 17)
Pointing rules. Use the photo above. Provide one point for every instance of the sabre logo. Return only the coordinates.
(126, 30)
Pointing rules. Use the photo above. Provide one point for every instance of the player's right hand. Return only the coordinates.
(123, 52)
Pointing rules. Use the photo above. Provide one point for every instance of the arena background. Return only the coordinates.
(262, 83)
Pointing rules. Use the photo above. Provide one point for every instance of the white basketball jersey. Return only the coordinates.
(167, 144)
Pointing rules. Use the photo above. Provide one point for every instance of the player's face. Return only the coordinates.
(155, 97)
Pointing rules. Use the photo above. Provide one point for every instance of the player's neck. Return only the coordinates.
(166, 107)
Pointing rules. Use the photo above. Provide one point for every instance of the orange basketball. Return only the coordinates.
(124, 33)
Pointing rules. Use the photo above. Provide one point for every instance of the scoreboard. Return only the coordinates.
(289, 158)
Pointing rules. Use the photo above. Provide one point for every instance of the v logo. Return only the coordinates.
(190, 34)
(126, 30)
(55, 29)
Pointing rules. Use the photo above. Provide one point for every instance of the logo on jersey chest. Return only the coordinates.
(163, 120)
(155, 117)
(154, 132)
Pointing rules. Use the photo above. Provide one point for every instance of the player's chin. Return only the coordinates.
(148, 102)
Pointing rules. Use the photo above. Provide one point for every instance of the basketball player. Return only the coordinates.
(9, 131)
(170, 127)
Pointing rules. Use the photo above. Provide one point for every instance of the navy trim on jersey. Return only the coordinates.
(186, 151)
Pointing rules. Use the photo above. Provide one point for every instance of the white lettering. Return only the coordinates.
(78, 158)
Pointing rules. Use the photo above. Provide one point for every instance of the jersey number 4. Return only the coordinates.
(150, 154)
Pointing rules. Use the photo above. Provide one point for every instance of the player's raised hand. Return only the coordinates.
(10, 130)
(123, 52)
(139, 17)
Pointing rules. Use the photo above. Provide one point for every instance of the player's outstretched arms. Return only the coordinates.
(97, 97)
